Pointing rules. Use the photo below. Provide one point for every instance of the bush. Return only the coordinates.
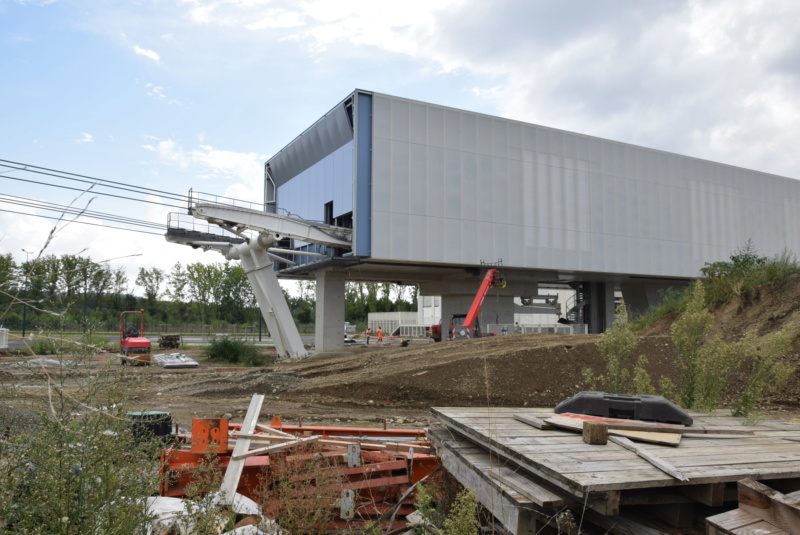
(766, 373)
(235, 351)
(673, 303)
(704, 363)
(616, 346)
(48, 346)
(76, 467)
(744, 272)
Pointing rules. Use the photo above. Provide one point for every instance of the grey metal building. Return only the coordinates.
(430, 192)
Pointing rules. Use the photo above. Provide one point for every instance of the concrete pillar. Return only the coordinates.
(329, 328)
(601, 305)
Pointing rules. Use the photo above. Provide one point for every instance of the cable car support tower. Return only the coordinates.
(249, 235)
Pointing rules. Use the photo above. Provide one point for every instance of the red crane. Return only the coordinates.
(464, 326)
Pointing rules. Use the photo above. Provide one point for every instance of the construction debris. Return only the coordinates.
(169, 341)
(174, 360)
(372, 472)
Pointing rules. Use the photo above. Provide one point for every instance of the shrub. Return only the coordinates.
(673, 303)
(234, 350)
(75, 467)
(463, 517)
(704, 363)
(766, 373)
(744, 272)
(48, 346)
(616, 346)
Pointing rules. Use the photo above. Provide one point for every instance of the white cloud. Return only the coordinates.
(85, 138)
(243, 170)
(147, 53)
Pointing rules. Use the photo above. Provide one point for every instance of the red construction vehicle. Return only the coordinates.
(133, 346)
(463, 326)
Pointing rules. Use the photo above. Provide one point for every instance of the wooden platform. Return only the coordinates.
(605, 478)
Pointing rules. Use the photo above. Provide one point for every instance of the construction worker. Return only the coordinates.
(367, 333)
(380, 335)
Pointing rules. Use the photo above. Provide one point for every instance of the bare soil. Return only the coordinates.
(368, 385)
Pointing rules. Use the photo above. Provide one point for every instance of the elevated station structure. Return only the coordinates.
(426, 193)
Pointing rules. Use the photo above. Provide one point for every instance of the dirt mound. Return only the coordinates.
(399, 384)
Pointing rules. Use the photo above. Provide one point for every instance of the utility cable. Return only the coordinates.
(43, 205)
(88, 179)
(83, 222)
(96, 192)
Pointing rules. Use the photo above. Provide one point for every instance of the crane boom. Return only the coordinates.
(467, 328)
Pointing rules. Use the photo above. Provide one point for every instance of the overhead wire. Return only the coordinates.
(88, 179)
(43, 205)
(96, 183)
(95, 192)
(82, 222)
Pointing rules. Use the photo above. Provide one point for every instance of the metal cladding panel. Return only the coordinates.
(323, 138)
(459, 187)
(328, 180)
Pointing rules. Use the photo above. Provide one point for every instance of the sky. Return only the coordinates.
(172, 95)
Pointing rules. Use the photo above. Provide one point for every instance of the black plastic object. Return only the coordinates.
(639, 407)
(149, 424)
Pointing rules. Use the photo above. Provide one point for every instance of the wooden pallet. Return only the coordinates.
(762, 510)
(608, 479)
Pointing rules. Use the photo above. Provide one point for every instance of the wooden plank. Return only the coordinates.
(620, 525)
(655, 427)
(230, 482)
(711, 494)
(512, 510)
(667, 439)
(656, 461)
(538, 423)
(274, 448)
(273, 431)
(489, 467)
(546, 453)
(760, 528)
(769, 505)
(724, 523)
(678, 515)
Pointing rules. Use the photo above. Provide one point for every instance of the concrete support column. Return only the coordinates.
(601, 305)
(329, 328)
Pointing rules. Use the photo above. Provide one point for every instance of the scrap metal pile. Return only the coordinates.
(364, 477)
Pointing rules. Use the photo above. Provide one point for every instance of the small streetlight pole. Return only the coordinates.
(27, 283)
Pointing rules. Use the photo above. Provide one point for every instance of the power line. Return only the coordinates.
(96, 192)
(88, 179)
(83, 222)
(79, 212)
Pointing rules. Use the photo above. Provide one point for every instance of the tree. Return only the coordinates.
(119, 282)
(200, 286)
(177, 282)
(150, 280)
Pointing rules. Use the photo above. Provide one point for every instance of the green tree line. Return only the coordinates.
(73, 291)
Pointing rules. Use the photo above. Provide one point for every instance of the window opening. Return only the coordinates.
(270, 191)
